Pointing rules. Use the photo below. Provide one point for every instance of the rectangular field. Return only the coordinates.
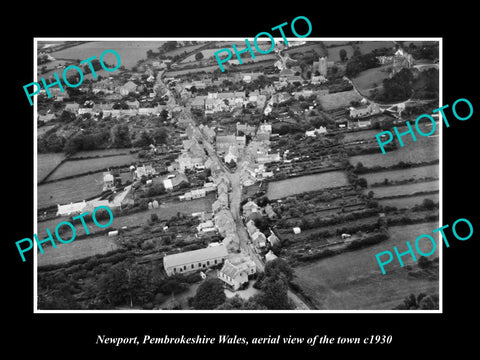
(77, 249)
(75, 167)
(429, 171)
(406, 189)
(424, 149)
(70, 190)
(353, 280)
(408, 202)
(46, 163)
(298, 185)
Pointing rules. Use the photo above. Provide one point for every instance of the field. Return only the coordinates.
(70, 190)
(75, 167)
(42, 130)
(77, 249)
(407, 189)
(366, 80)
(429, 171)
(408, 202)
(164, 212)
(424, 149)
(209, 53)
(353, 280)
(284, 188)
(130, 51)
(46, 163)
(338, 100)
(334, 52)
(360, 135)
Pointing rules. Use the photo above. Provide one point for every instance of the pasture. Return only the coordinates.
(297, 185)
(353, 280)
(406, 189)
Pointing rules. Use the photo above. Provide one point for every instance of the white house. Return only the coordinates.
(235, 275)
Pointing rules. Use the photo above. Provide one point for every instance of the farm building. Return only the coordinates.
(194, 260)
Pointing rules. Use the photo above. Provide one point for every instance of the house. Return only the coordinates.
(250, 207)
(288, 75)
(206, 226)
(259, 239)
(186, 161)
(246, 129)
(224, 222)
(133, 104)
(315, 132)
(194, 260)
(72, 208)
(171, 183)
(145, 170)
(232, 241)
(46, 118)
(297, 230)
(198, 103)
(251, 228)
(235, 275)
(193, 194)
(223, 142)
(108, 181)
(273, 239)
(73, 108)
(127, 88)
(366, 110)
(270, 256)
(269, 212)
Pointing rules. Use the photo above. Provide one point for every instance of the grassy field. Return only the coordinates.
(406, 189)
(360, 135)
(367, 80)
(338, 100)
(46, 163)
(77, 249)
(334, 51)
(408, 202)
(353, 280)
(424, 149)
(76, 167)
(430, 171)
(70, 190)
(284, 188)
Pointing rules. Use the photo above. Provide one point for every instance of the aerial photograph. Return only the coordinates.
(253, 183)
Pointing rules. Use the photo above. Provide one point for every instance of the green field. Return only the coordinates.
(353, 280)
(77, 249)
(406, 189)
(76, 167)
(301, 184)
(70, 190)
(46, 163)
(429, 171)
(367, 80)
(408, 202)
(423, 150)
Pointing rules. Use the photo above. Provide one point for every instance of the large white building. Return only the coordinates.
(194, 260)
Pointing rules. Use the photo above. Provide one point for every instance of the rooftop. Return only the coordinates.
(195, 256)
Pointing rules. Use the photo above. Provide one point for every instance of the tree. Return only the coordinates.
(424, 262)
(199, 56)
(362, 182)
(160, 135)
(274, 295)
(343, 54)
(209, 295)
(428, 204)
(120, 136)
(126, 283)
